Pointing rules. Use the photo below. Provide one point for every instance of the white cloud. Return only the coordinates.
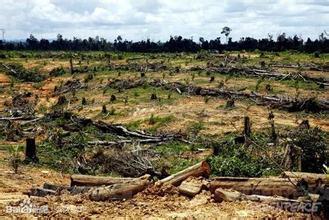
(158, 19)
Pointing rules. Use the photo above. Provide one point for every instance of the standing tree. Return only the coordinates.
(226, 31)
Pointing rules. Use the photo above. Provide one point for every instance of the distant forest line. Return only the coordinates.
(174, 44)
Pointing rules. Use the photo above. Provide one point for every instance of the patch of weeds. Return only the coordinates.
(135, 125)
(172, 148)
(14, 157)
(58, 158)
(59, 71)
(195, 127)
(158, 122)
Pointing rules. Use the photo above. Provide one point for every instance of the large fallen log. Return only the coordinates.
(199, 169)
(71, 189)
(279, 202)
(313, 178)
(290, 188)
(118, 191)
(86, 180)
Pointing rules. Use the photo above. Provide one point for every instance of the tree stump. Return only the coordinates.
(71, 66)
(31, 150)
(274, 136)
(230, 103)
(153, 96)
(113, 98)
(247, 127)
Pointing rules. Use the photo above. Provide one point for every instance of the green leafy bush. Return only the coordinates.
(314, 145)
(235, 160)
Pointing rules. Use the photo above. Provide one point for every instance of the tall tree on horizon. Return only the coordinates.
(226, 31)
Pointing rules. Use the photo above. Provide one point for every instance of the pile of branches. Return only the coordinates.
(22, 106)
(20, 73)
(132, 162)
(68, 86)
(122, 134)
(280, 102)
(250, 71)
(284, 103)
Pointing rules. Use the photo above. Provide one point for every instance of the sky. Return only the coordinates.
(160, 19)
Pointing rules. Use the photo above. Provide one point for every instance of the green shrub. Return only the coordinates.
(57, 72)
(235, 160)
(314, 145)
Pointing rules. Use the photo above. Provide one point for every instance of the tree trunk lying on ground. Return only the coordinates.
(86, 180)
(199, 169)
(279, 202)
(290, 188)
(71, 189)
(120, 142)
(118, 191)
(121, 130)
(313, 178)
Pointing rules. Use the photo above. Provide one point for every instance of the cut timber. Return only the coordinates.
(118, 191)
(73, 189)
(199, 169)
(313, 178)
(260, 186)
(279, 202)
(41, 192)
(86, 180)
(226, 195)
(190, 187)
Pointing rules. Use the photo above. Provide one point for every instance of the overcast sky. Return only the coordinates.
(159, 19)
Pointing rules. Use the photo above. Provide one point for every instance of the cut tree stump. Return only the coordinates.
(247, 127)
(118, 191)
(31, 150)
(199, 169)
(190, 187)
(226, 195)
(86, 180)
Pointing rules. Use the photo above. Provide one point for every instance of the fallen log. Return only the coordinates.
(289, 188)
(120, 142)
(279, 202)
(313, 178)
(86, 180)
(118, 191)
(71, 189)
(41, 192)
(199, 169)
(120, 130)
